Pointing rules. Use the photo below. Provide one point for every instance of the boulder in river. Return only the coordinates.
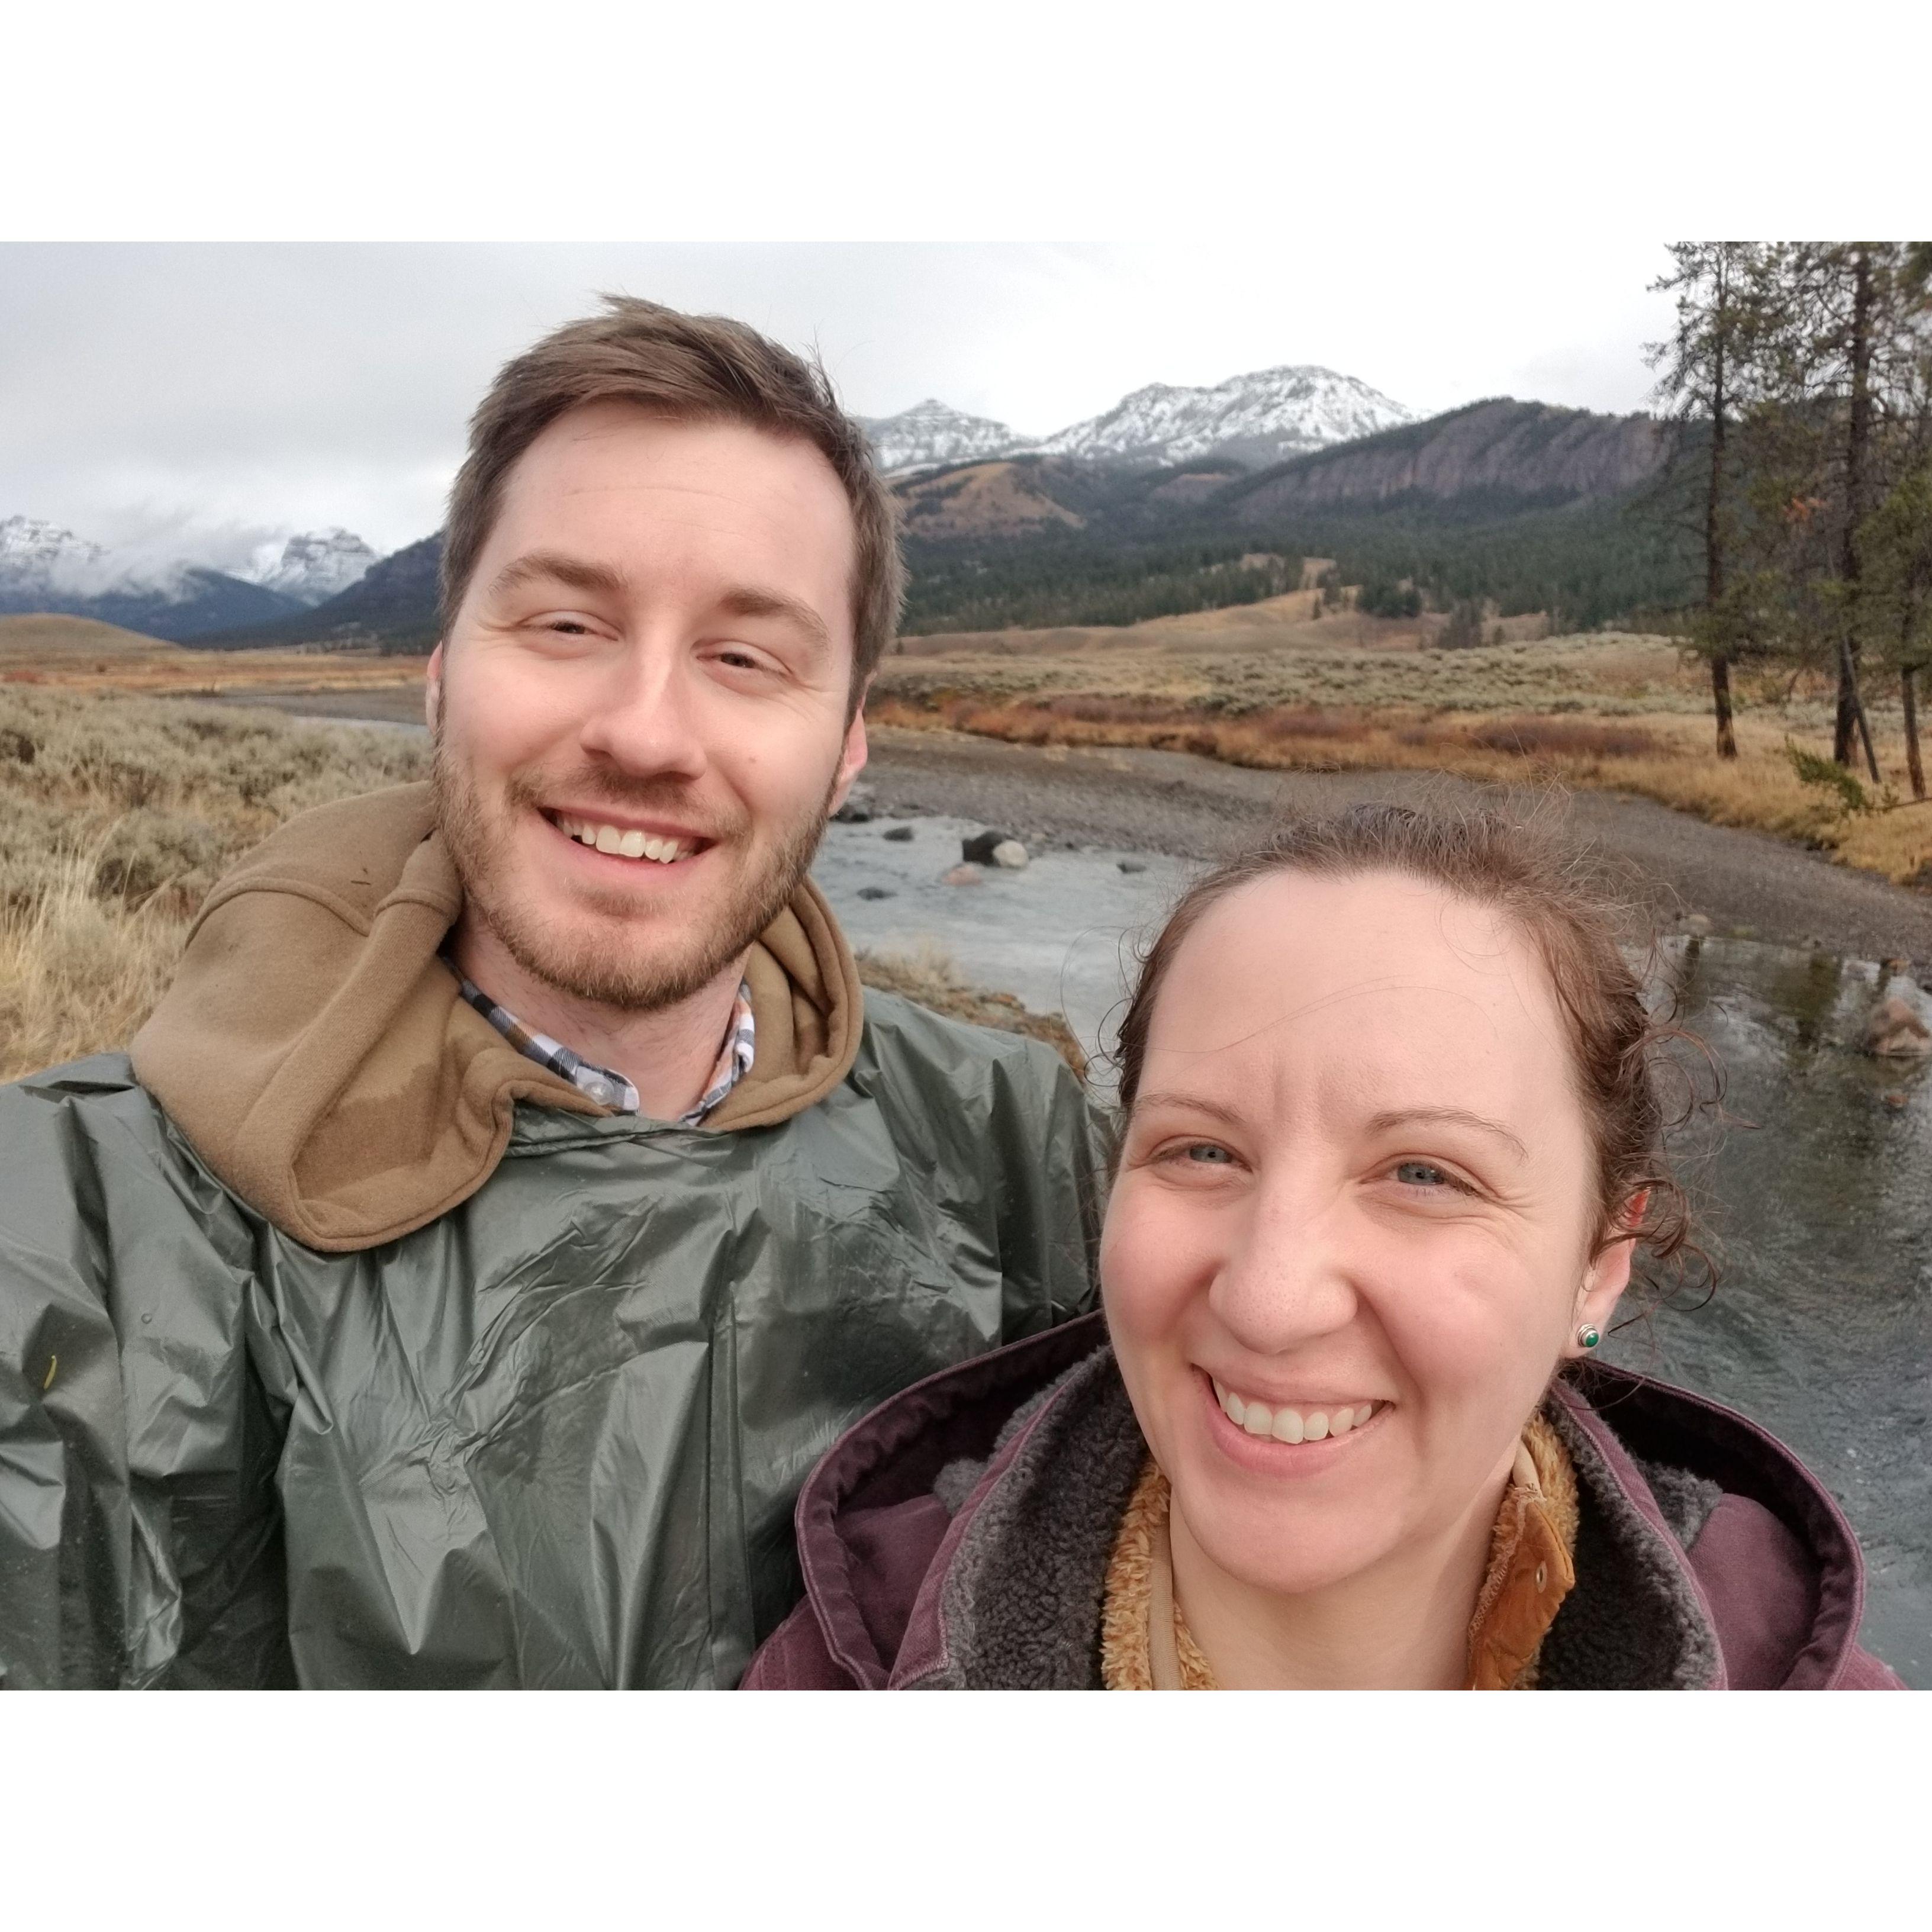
(1893, 1031)
(1010, 853)
(875, 892)
(963, 875)
(900, 835)
(979, 850)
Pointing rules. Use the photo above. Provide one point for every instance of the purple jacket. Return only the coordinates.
(958, 1538)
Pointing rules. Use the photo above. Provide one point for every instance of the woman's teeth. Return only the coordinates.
(1292, 1425)
(632, 844)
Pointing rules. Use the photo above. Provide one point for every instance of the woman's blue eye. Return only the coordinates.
(1420, 1173)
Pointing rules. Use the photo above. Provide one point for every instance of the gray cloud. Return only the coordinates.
(167, 399)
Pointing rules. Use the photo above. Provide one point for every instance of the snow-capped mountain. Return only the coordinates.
(45, 567)
(932, 432)
(37, 556)
(1262, 418)
(1256, 419)
(312, 567)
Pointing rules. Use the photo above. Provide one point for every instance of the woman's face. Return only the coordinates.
(1353, 1228)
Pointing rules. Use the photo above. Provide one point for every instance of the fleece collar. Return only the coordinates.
(318, 1055)
(1145, 1643)
(1015, 1596)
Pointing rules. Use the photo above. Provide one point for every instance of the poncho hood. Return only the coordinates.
(317, 1053)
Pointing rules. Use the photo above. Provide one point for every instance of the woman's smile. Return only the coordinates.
(1308, 1421)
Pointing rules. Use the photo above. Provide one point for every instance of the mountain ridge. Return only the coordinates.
(1032, 516)
(1257, 418)
(46, 568)
(312, 566)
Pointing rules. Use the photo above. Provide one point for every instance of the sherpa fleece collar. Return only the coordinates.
(318, 1056)
(1014, 1599)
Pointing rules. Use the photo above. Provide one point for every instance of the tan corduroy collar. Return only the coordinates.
(1145, 1644)
(318, 1054)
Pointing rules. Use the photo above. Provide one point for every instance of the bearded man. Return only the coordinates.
(512, 1197)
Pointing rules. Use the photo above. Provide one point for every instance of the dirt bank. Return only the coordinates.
(1745, 883)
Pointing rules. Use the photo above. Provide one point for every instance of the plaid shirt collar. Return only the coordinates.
(610, 1089)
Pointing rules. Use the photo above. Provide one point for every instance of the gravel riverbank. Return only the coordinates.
(1746, 884)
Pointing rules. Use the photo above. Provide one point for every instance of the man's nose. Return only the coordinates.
(1287, 1276)
(647, 719)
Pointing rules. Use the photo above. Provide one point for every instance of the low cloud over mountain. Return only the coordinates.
(179, 595)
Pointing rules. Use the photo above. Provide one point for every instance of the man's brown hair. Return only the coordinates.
(687, 368)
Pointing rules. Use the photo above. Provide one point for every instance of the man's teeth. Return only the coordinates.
(1292, 1425)
(632, 845)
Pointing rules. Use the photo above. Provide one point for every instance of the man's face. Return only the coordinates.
(654, 655)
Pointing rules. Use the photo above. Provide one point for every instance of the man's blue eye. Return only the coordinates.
(1203, 1151)
(1419, 1173)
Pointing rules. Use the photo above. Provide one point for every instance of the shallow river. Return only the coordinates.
(1820, 1191)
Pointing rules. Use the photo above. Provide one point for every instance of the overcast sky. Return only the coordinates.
(177, 398)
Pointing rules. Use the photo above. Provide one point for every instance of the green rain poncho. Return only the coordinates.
(341, 1345)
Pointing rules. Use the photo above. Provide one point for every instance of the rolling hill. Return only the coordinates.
(54, 635)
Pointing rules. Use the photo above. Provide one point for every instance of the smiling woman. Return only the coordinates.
(1392, 1141)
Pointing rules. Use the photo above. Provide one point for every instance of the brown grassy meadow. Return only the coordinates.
(117, 814)
(1270, 686)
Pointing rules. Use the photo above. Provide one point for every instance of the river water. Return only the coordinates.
(1819, 1191)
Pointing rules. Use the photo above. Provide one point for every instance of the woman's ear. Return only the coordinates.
(1609, 1275)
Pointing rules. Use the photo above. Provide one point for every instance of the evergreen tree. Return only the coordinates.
(1848, 337)
(1706, 376)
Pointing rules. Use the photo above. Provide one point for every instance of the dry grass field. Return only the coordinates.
(1269, 686)
(118, 812)
(77, 654)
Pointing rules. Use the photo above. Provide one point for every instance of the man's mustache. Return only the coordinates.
(669, 798)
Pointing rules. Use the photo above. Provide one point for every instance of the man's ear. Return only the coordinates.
(433, 690)
(852, 758)
(1608, 1275)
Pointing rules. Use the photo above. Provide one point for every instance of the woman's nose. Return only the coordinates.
(1286, 1278)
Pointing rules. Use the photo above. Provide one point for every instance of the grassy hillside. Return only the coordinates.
(44, 635)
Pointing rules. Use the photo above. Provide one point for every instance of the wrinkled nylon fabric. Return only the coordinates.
(551, 1438)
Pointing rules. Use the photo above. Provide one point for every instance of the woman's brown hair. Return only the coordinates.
(1527, 877)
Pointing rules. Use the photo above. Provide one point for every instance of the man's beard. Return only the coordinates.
(605, 959)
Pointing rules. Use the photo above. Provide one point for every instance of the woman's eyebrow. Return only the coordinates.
(1213, 1109)
(1460, 1117)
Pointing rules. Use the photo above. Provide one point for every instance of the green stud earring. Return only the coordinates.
(1587, 1336)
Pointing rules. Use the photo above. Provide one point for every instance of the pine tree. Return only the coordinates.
(1851, 319)
(1706, 376)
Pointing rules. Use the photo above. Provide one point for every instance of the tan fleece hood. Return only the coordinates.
(319, 1056)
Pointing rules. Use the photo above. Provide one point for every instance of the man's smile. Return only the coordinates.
(618, 837)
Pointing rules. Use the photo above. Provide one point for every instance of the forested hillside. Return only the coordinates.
(1517, 505)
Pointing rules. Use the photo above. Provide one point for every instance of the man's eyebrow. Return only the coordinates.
(749, 601)
(1458, 1116)
(577, 573)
